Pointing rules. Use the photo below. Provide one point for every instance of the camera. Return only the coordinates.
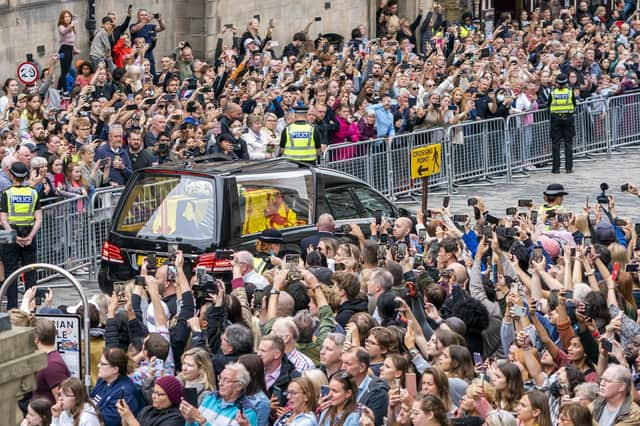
(152, 264)
(204, 286)
(602, 198)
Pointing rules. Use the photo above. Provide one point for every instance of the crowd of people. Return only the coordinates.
(116, 111)
(441, 319)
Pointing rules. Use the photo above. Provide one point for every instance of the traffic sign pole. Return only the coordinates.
(425, 193)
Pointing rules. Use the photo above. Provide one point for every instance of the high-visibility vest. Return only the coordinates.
(259, 264)
(21, 203)
(544, 208)
(561, 101)
(300, 144)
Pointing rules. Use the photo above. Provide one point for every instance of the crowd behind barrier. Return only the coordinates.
(485, 149)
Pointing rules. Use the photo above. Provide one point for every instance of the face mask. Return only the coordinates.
(500, 98)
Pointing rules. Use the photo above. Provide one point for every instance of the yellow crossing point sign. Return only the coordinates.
(426, 160)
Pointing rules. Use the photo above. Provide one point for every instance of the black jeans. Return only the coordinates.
(562, 133)
(65, 65)
(14, 256)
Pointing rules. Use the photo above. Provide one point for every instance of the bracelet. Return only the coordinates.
(588, 274)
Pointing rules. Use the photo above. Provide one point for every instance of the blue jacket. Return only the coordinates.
(115, 175)
(375, 396)
(217, 411)
(106, 395)
(263, 407)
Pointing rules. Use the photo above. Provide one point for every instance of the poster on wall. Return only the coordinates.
(68, 334)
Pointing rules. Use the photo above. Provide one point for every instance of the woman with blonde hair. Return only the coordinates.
(302, 403)
(257, 146)
(269, 131)
(317, 377)
(477, 401)
(253, 26)
(619, 254)
(581, 223)
(197, 372)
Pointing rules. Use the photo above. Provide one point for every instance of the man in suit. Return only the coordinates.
(325, 229)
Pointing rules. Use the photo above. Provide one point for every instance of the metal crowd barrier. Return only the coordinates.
(73, 230)
(63, 239)
(477, 151)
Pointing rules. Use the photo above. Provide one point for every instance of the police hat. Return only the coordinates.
(300, 109)
(555, 189)
(19, 170)
(561, 79)
(271, 236)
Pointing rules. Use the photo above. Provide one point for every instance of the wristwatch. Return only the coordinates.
(274, 291)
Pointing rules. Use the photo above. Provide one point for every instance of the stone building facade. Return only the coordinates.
(29, 26)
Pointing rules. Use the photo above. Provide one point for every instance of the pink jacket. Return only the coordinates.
(346, 133)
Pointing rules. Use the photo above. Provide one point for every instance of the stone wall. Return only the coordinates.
(26, 25)
(289, 16)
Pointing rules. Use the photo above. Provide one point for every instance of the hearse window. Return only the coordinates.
(176, 206)
(372, 201)
(341, 204)
(274, 202)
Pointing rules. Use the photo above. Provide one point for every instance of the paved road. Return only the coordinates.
(621, 168)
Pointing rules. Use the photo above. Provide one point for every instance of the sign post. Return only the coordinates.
(426, 161)
(68, 332)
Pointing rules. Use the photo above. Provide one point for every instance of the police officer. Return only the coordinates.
(562, 105)
(267, 250)
(300, 140)
(20, 210)
(553, 198)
